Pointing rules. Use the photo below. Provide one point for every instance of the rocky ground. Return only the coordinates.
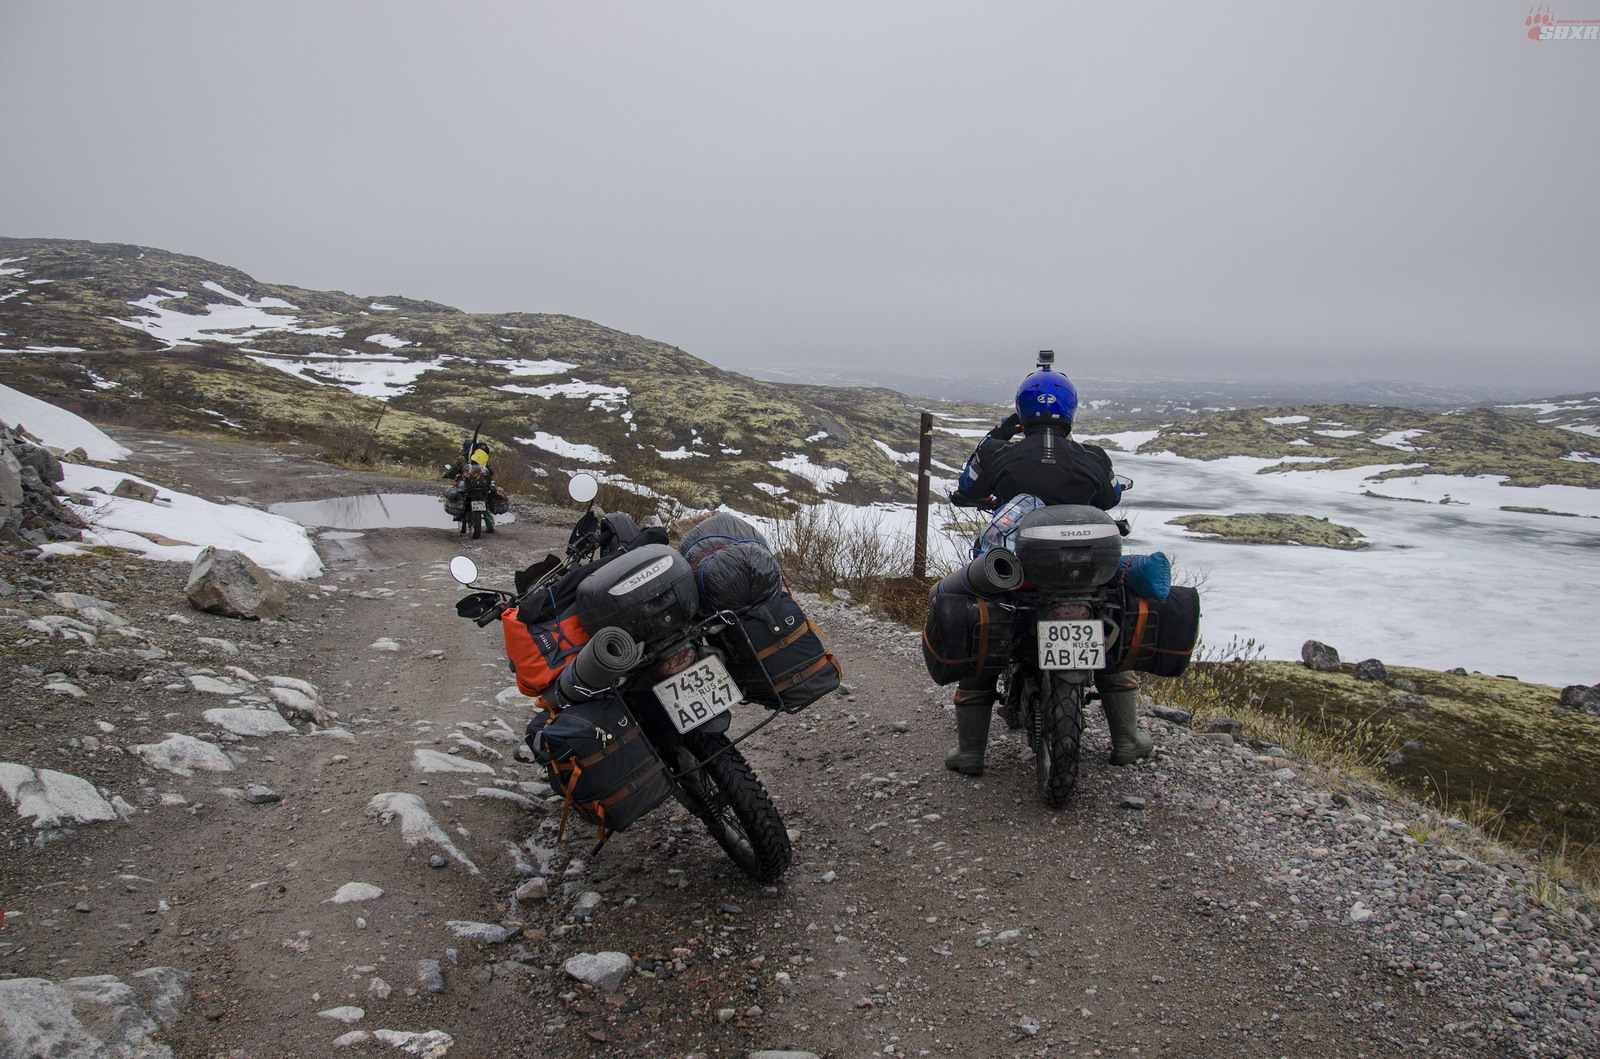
(382, 875)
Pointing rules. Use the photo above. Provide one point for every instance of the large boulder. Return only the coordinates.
(228, 583)
(1319, 656)
(603, 970)
(42, 460)
(10, 479)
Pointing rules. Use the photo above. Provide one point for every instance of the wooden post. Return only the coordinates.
(919, 553)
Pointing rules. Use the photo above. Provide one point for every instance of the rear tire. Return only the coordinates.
(1060, 722)
(735, 807)
(477, 524)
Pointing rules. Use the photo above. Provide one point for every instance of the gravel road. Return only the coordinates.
(1221, 900)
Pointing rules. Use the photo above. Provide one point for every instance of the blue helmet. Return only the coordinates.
(1047, 394)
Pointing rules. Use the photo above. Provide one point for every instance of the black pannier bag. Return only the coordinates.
(455, 501)
(778, 657)
(733, 564)
(1159, 636)
(499, 501)
(965, 636)
(600, 762)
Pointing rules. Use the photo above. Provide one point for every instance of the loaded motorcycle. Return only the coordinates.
(473, 500)
(1048, 603)
(633, 668)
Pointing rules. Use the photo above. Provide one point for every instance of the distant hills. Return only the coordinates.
(143, 337)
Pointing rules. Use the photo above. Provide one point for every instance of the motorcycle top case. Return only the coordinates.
(1068, 546)
(601, 762)
(648, 592)
(778, 657)
(965, 636)
(1159, 636)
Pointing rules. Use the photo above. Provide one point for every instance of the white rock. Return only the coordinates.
(306, 688)
(180, 619)
(416, 823)
(355, 891)
(345, 1040)
(427, 760)
(509, 696)
(430, 1045)
(488, 933)
(298, 704)
(383, 643)
(379, 988)
(65, 687)
(227, 647)
(214, 686)
(487, 753)
(1359, 912)
(241, 721)
(243, 674)
(346, 1014)
(183, 754)
(603, 970)
(52, 798)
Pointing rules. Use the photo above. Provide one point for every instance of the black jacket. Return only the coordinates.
(1046, 462)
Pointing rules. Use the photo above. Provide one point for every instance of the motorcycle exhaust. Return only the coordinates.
(608, 657)
(994, 572)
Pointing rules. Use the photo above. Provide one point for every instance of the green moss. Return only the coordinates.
(1272, 528)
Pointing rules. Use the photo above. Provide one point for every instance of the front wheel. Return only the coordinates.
(1059, 737)
(734, 806)
(477, 524)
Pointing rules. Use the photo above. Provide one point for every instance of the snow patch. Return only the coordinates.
(388, 341)
(534, 367)
(562, 447)
(1279, 421)
(823, 479)
(57, 426)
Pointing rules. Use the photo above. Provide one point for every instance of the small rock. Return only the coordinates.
(384, 643)
(535, 889)
(1370, 669)
(1405, 684)
(603, 970)
(1319, 657)
(782, 1054)
(488, 933)
(355, 891)
(354, 1037)
(1572, 695)
(754, 1012)
(1359, 912)
(1283, 774)
(731, 909)
(829, 876)
(129, 489)
(260, 794)
(899, 726)
(346, 1014)
(1228, 726)
(436, 861)
(430, 976)
(1028, 1027)
(1132, 801)
(1221, 738)
(1171, 714)
(586, 904)
(379, 988)
(725, 1015)
(1408, 701)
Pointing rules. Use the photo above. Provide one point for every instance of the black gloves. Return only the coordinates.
(1009, 428)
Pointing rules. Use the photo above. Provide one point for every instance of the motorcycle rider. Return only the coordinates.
(1047, 463)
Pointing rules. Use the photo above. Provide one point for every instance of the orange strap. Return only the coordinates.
(762, 656)
(815, 667)
(1136, 642)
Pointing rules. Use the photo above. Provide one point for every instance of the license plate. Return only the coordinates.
(697, 694)
(480, 505)
(1072, 645)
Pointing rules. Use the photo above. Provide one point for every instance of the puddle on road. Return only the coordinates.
(374, 511)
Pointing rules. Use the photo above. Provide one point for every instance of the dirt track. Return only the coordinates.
(926, 913)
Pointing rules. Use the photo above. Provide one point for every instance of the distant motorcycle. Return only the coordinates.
(473, 500)
(633, 668)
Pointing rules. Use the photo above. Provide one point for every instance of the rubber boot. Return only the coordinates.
(972, 738)
(1120, 697)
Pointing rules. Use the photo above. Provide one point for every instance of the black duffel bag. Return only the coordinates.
(601, 762)
(965, 636)
(1159, 636)
(778, 657)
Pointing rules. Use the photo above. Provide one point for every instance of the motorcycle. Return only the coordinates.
(1048, 603)
(473, 500)
(673, 682)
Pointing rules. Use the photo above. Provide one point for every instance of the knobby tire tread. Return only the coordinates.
(758, 817)
(1061, 706)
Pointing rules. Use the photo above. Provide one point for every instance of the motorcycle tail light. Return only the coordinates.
(676, 663)
(1070, 612)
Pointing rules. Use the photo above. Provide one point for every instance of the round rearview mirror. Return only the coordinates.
(463, 569)
(583, 487)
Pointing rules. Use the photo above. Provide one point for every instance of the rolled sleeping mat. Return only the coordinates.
(610, 655)
(993, 572)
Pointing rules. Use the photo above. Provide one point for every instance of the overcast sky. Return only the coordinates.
(1329, 189)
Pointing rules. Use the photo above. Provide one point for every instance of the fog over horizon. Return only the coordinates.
(1236, 191)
